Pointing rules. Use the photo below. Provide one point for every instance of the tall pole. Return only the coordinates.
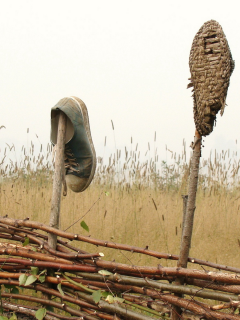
(188, 216)
(58, 179)
(191, 204)
(211, 66)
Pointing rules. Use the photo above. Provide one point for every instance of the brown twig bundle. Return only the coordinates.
(122, 291)
(211, 66)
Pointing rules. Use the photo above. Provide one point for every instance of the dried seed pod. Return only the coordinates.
(211, 66)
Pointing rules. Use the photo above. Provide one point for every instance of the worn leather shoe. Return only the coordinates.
(80, 156)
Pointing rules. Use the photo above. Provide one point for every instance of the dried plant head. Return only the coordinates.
(211, 66)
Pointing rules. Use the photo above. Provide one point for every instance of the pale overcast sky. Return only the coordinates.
(127, 60)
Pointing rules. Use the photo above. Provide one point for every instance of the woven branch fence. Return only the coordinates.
(68, 283)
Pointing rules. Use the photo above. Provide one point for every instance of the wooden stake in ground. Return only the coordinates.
(58, 179)
(188, 215)
(192, 192)
(211, 66)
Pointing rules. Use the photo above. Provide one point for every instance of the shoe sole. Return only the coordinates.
(83, 109)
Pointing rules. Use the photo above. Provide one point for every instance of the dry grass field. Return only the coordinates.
(135, 202)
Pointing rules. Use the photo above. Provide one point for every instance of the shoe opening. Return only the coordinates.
(54, 127)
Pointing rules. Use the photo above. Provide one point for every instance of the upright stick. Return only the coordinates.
(58, 178)
(185, 200)
(188, 216)
(192, 191)
(176, 310)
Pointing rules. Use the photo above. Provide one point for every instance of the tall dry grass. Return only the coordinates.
(133, 200)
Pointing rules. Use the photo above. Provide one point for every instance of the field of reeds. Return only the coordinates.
(133, 200)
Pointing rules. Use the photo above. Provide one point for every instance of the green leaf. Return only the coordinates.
(50, 308)
(26, 242)
(105, 294)
(13, 317)
(105, 273)
(110, 299)
(15, 291)
(44, 271)
(117, 299)
(3, 318)
(22, 279)
(59, 287)
(77, 284)
(34, 270)
(97, 296)
(40, 313)
(9, 286)
(84, 226)
(106, 193)
(30, 280)
(42, 278)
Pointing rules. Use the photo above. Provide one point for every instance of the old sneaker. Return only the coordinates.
(80, 156)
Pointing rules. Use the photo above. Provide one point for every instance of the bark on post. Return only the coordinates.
(185, 200)
(192, 191)
(176, 310)
(188, 216)
(58, 178)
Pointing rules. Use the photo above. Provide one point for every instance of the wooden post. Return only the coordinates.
(177, 311)
(58, 178)
(188, 216)
(185, 200)
(192, 192)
